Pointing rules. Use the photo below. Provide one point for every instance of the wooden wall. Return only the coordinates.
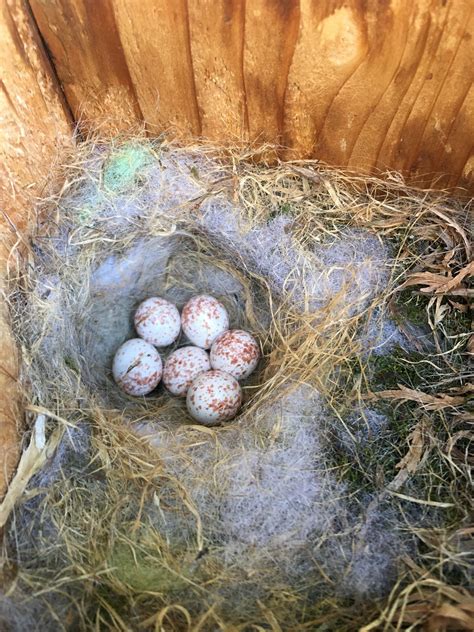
(373, 84)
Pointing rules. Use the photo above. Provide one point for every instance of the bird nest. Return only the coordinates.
(337, 497)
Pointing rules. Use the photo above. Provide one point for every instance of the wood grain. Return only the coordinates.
(85, 46)
(267, 61)
(34, 126)
(156, 44)
(217, 37)
(369, 84)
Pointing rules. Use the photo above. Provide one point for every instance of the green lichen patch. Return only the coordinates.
(142, 570)
(126, 166)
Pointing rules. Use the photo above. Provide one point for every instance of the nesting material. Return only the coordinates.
(256, 522)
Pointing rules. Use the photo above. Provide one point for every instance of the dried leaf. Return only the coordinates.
(412, 459)
(456, 281)
(449, 617)
(439, 283)
(470, 345)
(430, 280)
(440, 310)
(32, 459)
(306, 173)
(460, 307)
(429, 402)
(461, 232)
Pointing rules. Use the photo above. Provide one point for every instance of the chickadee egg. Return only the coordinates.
(157, 321)
(214, 397)
(137, 367)
(182, 366)
(235, 352)
(203, 319)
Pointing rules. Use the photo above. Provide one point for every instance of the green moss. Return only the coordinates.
(124, 168)
(411, 306)
(373, 463)
(71, 364)
(194, 172)
(381, 372)
(141, 572)
(411, 369)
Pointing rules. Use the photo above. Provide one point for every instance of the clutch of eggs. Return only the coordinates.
(208, 381)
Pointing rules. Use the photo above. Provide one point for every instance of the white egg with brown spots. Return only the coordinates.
(203, 319)
(137, 367)
(182, 366)
(214, 397)
(235, 352)
(157, 321)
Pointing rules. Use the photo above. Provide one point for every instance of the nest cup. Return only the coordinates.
(176, 268)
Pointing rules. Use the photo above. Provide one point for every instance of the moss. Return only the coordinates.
(71, 364)
(141, 572)
(124, 168)
(381, 372)
(411, 369)
(411, 306)
(194, 172)
(373, 461)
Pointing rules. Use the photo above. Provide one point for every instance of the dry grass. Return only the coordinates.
(110, 567)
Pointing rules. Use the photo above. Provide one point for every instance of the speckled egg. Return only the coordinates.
(137, 367)
(214, 397)
(157, 321)
(235, 352)
(182, 366)
(203, 319)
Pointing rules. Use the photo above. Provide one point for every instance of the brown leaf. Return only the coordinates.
(412, 459)
(460, 307)
(431, 280)
(453, 224)
(449, 617)
(470, 345)
(439, 283)
(429, 402)
(456, 281)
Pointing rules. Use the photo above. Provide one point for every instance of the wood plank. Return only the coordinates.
(34, 126)
(267, 62)
(155, 39)
(217, 49)
(379, 69)
(368, 84)
(84, 42)
(451, 102)
(436, 81)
